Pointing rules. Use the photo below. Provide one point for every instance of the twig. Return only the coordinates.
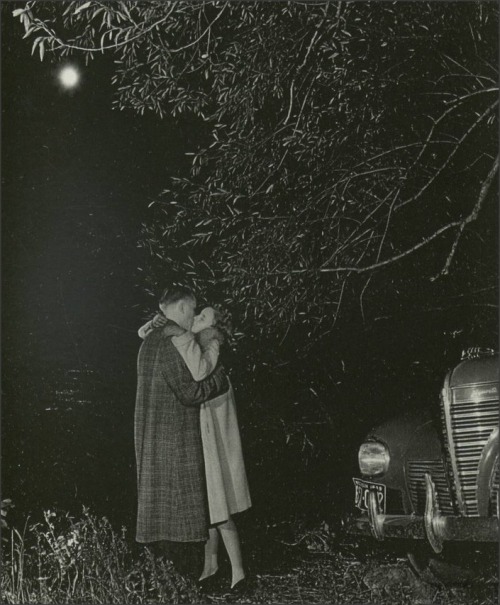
(291, 104)
(337, 311)
(127, 41)
(473, 94)
(373, 266)
(449, 158)
(471, 217)
(461, 66)
(176, 50)
(361, 297)
(101, 48)
(387, 224)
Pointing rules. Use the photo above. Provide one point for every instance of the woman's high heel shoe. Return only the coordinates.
(240, 588)
(210, 583)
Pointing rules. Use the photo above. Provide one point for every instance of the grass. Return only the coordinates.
(65, 560)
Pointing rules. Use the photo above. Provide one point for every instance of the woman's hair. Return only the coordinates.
(223, 322)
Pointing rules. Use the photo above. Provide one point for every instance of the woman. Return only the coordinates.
(227, 486)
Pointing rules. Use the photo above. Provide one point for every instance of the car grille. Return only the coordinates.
(494, 489)
(416, 470)
(472, 421)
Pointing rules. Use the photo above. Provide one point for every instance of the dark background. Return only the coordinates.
(77, 178)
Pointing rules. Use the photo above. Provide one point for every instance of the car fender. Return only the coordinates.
(411, 435)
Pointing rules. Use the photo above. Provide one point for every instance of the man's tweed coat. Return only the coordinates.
(172, 502)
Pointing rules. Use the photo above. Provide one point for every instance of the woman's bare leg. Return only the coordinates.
(211, 564)
(231, 540)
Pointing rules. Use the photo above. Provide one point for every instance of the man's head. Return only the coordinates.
(178, 304)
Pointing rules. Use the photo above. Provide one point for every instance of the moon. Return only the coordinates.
(69, 77)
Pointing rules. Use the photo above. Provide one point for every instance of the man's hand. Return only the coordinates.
(158, 321)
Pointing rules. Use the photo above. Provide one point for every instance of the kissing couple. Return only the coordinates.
(190, 471)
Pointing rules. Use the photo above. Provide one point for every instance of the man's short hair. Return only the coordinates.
(174, 294)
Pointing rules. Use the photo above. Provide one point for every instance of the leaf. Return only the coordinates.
(18, 11)
(42, 50)
(82, 7)
(36, 41)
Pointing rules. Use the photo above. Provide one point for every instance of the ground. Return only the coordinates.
(319, 568)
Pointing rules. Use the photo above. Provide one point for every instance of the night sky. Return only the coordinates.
(77, 178)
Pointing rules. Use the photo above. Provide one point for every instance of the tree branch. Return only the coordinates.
(449, 158)
(101, 48)
(208, 28)
(471, 217)
(62, 44)
(373, 266)
(387, 223)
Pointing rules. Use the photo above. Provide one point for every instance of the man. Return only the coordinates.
(172, 503)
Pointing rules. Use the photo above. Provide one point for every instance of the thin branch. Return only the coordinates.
(309, 49)
(473, 94)
(373, 266)
(361, 297)
(397, 257)
(471, 217)
(176, 50)
(378, 254)
(431, 132)
(449, 158)
(393, 150)
(461, 66)
(350, 239)
(302, 107)
(387, 223)
(101, 48)
(291, 104)
(337, 311)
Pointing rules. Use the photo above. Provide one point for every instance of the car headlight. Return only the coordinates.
(373, 458)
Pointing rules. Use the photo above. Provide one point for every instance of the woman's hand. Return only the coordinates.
(158, 321)
(208, 334)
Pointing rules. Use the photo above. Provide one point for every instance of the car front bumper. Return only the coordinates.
(432, 526)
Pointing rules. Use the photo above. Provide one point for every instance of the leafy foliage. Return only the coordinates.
(344, 147)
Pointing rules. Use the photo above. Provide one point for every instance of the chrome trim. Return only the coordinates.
(432, 517)
(376, 519)
(445, 399)
(477, 352)
(473, 432)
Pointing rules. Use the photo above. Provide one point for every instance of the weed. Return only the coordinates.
(63, 560)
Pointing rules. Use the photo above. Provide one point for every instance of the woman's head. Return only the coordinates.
(213, 317)
(205, 319)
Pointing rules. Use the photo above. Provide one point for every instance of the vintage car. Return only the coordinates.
(431, 479)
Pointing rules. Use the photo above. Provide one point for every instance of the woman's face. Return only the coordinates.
(205, 319)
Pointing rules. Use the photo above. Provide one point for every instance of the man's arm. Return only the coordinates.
(188, 391)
